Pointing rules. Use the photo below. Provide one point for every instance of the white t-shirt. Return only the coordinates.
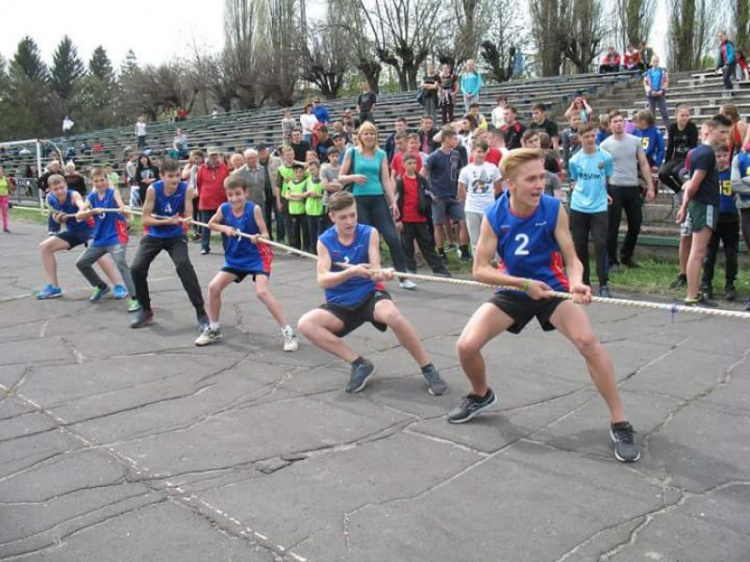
(140, 129)
(480, 186)
(307, 122)
(498, 117)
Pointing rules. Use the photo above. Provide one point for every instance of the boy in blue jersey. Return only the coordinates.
(651, 137)
(243, 258)
(110, 237)
(701, 200)
(356, 295)
(63, 202)
(589, 170)
(529, 232)
(727, 232)
(171, 200)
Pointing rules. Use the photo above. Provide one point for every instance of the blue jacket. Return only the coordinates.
(726, 54)
(653, 144)
(321, 113)
(471, 83)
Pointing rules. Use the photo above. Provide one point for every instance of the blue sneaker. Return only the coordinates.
(119, 292)
(359, 377)
(99, 292)
(49, 292)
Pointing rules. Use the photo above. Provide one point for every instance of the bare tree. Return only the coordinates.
(239, 59)
(691, 25)
(549, 19)
(326, 58)
(505, 35)
(352, 24)
(403, 32)
(468, 22)
(585, 30)
(634, 19)
(282, 43)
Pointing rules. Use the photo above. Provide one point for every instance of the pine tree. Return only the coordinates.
(67, 71)
(28, 108)
(100, 65)
(28, 63)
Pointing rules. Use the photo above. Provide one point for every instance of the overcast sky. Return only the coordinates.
(156, 30)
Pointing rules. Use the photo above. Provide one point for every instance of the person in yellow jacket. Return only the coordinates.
(6, 188)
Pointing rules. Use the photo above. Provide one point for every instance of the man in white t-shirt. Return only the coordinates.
(477, 185)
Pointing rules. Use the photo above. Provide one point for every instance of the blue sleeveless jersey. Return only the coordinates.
(109, 227)
(167, 206)
(241, 254)
(357, 289)
(526, 245)
(743, 161)
(726, 199)
(69, 208)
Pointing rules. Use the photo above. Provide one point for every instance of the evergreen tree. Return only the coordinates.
(28, 63)
(28, 109)
(67, 71)
(98, 93)
(100, 65)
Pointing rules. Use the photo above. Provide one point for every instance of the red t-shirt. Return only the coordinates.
(411, 201)
(494, 156)
(397, 164)
(210, 184)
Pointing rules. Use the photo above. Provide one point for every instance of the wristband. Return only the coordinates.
(526, 285)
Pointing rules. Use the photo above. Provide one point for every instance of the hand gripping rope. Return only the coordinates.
(671, 308)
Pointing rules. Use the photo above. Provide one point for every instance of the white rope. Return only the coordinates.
(673, 308)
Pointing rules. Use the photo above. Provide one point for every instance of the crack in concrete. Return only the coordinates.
(16, 385)
(116, 482)
(77, 353)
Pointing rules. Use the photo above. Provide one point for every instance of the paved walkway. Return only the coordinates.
(118, 444)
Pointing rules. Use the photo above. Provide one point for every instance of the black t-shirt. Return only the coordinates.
(513, 134)
(322, 149)
(365, 102)
(431, 79)
(76, 183)
(680, 142)
(703, 158)
(548, 126)
(300, 150)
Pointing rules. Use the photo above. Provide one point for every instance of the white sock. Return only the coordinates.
(286, 329)
(214, 325)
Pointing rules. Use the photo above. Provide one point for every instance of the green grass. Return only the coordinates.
(38, 218)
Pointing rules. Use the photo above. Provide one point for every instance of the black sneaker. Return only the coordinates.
(442, 272)
(680, 282)
(730, 293)
(435, 383)
(470, 406)
(143, 318)
(359, 377)
(604, 292)
(622, 434)
(630, 262)
(706, 291)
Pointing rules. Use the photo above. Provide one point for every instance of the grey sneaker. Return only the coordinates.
(359, 377)
(435, 383)
(470, 406)
(291, 343)
(142, 318)
(622, 434)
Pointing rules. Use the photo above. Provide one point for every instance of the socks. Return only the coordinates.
(359, 361)
(214, 325)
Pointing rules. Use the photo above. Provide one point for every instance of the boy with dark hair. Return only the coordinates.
(296, 196)
(701, 200)
(243, 258)
(356, 295)
(512, 130)
(727, 232)
(571, 140)
(171, 200)
(682, 135)
(539, 122)
(314, 207)
(529, 232)
(390, 142)
(414, 205)
(110, 236)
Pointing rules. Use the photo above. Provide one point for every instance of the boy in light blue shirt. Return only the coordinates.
(589, 170)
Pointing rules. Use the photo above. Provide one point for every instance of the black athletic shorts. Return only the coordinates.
(75, 237)
(522, 309)
(240, 274)
(354, 316)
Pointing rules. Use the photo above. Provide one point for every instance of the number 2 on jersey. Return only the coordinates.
(524, 241)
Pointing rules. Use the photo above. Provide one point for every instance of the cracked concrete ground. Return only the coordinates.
(118, 444)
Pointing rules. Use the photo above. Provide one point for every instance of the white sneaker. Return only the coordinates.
(209, 335)
(408, 284)
(291, 343)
